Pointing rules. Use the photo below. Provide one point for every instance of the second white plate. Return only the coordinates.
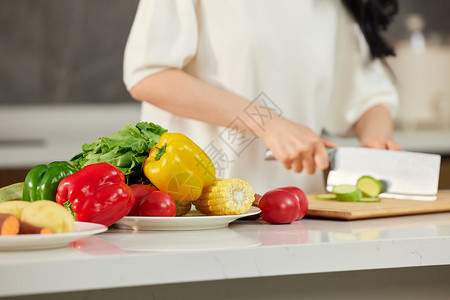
(192, 221)
(47, 241)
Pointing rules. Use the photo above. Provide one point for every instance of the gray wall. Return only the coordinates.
(63, 51)
(70, 51)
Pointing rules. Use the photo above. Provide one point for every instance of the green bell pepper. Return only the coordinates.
(41, 182)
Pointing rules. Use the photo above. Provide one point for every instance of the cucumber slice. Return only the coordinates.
(369, 199)
(369, 186)
(347, 192)
(326, 196)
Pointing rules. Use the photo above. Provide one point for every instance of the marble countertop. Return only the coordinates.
(245, 249)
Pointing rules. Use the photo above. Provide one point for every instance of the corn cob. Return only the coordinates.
(226, 197)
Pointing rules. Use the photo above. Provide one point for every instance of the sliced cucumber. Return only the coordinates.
(347, 192)
(369, 186)
(369, 199)
(326, 196)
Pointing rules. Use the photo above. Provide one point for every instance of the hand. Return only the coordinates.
(381, 143)
(296, 146)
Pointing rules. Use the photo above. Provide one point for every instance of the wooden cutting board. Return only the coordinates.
(332, 209)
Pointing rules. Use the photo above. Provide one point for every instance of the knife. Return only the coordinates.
(405, 175)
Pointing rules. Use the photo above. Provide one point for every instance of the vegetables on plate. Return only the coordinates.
(140, 191)
(48, 214)
(97, 193)
(176, 165)
(11, 192)
(279, 206)
(126, 149)
(41, 182)
(14, 207)
(9, 224)
(183, 207)
(41, 216)
(158, 204)
(226, 197)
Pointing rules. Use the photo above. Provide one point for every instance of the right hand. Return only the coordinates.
(296, 146)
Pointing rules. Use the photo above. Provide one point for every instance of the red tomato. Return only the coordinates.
(279, 207)
(158, 204)
(140, 191)
(301, 197)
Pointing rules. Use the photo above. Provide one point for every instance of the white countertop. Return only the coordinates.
(246, 249)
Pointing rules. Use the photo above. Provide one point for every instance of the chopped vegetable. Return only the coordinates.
(11, 192)
(347, 192)
(176, 165)
(126, 149)
(226, 197)
(41, 182)
(369, 186)
(370, 199)
(326, 197)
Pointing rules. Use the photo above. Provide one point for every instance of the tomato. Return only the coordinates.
(279, 207)
(140, 191)
(158, 204)
(301, 197)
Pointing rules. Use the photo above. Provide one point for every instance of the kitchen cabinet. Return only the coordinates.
(396, 258)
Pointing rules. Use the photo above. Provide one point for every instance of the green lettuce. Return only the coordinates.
(126, 149)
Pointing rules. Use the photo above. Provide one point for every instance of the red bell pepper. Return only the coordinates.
(97, 193)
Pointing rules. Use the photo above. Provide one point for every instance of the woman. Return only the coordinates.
(242, 76)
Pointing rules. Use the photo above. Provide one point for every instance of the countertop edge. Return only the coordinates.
(140, 269)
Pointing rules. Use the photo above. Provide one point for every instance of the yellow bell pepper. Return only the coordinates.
(178, 166)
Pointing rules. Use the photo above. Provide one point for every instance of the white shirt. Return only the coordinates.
(306, 59)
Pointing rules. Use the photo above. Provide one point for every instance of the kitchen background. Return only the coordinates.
(61, 78)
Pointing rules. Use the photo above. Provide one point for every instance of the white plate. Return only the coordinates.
(194, 220)
(47, 241)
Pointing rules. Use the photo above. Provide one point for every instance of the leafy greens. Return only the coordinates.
(126, 149)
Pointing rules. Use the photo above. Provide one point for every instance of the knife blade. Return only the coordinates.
(406, 175)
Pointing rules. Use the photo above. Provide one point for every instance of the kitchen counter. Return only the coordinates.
(403, 256)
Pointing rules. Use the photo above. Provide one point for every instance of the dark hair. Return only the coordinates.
(372, 17)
